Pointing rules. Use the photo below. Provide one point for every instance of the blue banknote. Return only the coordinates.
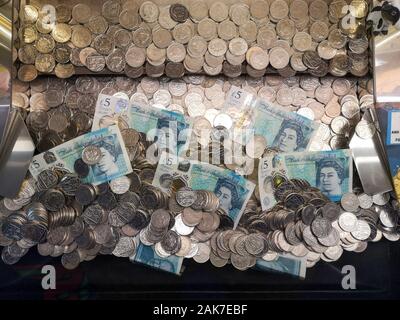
(285, 263)
(147, 255)
(113, 164)
(169, 130)
(329, 171)
(284, 130)
(108, 109)
(233, 190)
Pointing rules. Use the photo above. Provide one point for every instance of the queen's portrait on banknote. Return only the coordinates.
(289, 137)
(111, 153)
(228, 196)
(330, 176)
(166, 180)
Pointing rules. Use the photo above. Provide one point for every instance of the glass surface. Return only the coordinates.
(376, 269)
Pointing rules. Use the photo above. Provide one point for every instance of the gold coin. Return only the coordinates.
(44, 25)
(27, 54)
(63, 13)
(61, 32)
(81, 13)
(350, 29)
(81, 37)
(98, 25)
(29, 14)
(45, 63)
(84, 53)
(28, 34)
(336, 9)
(360, 8)
(27, 73)
(64, 71)
(45, 43)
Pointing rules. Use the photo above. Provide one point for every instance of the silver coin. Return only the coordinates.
(91, 155)
(350, 202)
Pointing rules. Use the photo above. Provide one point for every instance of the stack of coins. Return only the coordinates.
(64, 109)
(316, 36)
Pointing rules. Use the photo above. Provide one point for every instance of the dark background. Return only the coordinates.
(108, 277)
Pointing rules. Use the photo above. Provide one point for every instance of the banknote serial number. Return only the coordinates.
(206, 310)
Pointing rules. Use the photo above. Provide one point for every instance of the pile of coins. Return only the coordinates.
(316, 36)
(184, 231)
(60, 110)
(107, 223)
(307, 224)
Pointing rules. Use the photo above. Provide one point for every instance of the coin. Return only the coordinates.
(45, 63)
(278, 9)
(111, 10)
(239, 13)
(81, 37)
(28, 14)
(302, 41)
(365, 130)
(278, 57)
(104, 44)
(318, 9)
(91, 155)
(183, 32)
(218, 11)
(61, 33)
(207, 29)
(259, 9)
(178, 13)
(135, 56)
(162, 38)
(81, 13)
(149, 11)
(227, 30)
(266, 38)
(217, 47)
(45, 43)
(98, 25)
(362, 231)
(142, 37)
(129, 19)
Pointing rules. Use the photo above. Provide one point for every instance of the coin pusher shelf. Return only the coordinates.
(96, 6)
